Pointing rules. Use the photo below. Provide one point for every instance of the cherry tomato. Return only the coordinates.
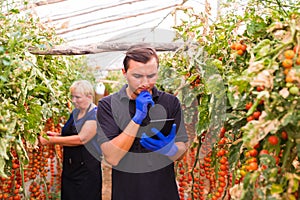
(273, 140)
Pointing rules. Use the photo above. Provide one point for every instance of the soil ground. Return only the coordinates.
(106, 182)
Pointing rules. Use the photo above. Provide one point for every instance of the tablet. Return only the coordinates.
(163, 125)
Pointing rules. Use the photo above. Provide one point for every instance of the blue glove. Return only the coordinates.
(164, 145)
(142, 102)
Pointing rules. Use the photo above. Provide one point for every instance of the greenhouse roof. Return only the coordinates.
(116, 21)
(93, 21)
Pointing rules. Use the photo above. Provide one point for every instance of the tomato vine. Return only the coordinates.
(255, 54)
(34, 94)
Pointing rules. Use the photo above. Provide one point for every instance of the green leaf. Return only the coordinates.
(234, 154)
(6, 62)
(276, 188)
(295, 185)
(2, 167)
(4, 144)
(261, 47)
(203, 114)
(2, 49)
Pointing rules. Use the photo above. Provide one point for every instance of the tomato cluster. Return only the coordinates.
(239, 47)
(291, 58)
(40, 177)
(199, 175)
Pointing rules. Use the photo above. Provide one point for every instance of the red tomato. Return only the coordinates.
(222, 131)
(250, 118)
(252, 159)
(223, 167)
(256, 146)
(221, 152)
(284, 135)
(260, 88)
(263, 151)
(223, 160)
(252, 166)
(249, 105)
(253, 152)
(277, 159)
(296, 48)
(273, 140)
(256, 114)
(244, 47)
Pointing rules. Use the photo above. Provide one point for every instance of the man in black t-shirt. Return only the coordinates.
(141, 132)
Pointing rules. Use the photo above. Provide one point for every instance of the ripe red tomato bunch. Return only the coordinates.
(239, 47)
(42, 173)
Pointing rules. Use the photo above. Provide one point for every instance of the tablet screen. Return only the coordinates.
(163, 125)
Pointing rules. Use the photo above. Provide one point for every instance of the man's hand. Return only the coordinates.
(164, 145)
(142, 102)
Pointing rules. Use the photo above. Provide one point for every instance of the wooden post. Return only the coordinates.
(103, 47)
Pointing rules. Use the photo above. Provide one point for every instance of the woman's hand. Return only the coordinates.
(43, 140)
(51, 133)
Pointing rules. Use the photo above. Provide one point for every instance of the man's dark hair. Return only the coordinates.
(139, 53)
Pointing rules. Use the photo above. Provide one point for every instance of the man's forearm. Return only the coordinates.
(182, 148)
(115, 149)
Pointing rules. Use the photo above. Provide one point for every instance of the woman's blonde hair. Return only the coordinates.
(83, 87)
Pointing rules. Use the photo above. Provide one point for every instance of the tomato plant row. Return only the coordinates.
(33, 89)
(40, 178)
(247, 97)
(242, 81)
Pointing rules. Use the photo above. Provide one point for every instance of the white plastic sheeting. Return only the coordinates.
(95, 21)
(90, 21)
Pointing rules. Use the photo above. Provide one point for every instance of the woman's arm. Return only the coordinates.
(88, 131)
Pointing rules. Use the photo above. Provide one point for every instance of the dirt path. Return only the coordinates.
(106, 182)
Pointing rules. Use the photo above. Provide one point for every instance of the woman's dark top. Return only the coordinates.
(81, 175)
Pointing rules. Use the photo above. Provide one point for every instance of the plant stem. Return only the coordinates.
(287, 154)
(195, 163)
(45, 188)
(23, 180)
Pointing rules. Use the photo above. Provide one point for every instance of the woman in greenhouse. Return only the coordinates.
(81, 175)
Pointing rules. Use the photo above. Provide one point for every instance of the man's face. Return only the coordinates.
(141, 77)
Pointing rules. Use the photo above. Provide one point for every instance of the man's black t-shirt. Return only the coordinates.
(141, 174)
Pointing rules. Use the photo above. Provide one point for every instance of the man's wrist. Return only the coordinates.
(136, 120)
(132, 128)
(138, 117)
(172, 151)
(169, 151)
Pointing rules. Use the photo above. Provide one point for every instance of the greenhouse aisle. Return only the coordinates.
(106, 178)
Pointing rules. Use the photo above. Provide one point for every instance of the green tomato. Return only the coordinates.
(294, 90)
(291, 197)
(2, 128)
(289, 85)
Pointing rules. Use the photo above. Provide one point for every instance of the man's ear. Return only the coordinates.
(124, 73)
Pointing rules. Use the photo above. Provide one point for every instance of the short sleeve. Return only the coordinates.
(107, 128)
